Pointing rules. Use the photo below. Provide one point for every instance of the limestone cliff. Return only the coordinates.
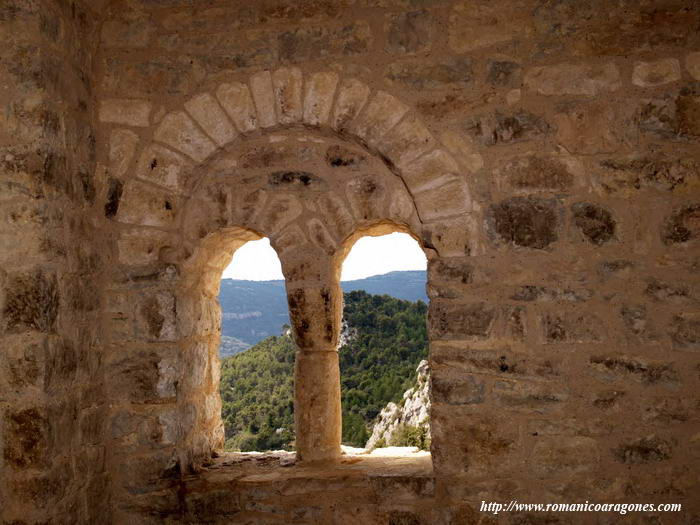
(406, 424)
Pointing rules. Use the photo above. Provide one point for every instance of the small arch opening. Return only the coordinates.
(383, 352)
(257, 352)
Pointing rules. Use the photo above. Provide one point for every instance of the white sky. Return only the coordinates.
(257, 261)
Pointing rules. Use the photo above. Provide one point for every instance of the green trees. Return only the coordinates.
(387, 338)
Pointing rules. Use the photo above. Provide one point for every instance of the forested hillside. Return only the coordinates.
(254, 310)
(385, 339)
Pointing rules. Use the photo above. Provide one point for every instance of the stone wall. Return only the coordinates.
(51, 410)
(543, 152)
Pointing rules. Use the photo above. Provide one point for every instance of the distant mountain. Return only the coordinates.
(254, 310)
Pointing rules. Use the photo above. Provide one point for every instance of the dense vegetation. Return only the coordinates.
(254, 310)
(385, 340)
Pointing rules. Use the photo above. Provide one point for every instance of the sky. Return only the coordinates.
(257, 261)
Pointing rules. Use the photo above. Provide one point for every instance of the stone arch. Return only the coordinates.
(218, 172)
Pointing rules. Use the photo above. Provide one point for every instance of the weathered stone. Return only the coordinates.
(595, 128)
(141, 247)
(409, 32)
(541, 173)
(457, 391)
(366, 195)
(352, 96)
(178, 131)
(692, 64)
(503, 72)
(407, 141)
(657, 73)
(238, 103)
(31, 302)
(648, 172)
(529, 395)
(314, 43)
(381, 114)
(642, 371)
(288, 94)
(525, 222)
(445, 197)
(318, 99)
(131, 32)
(26, 434)
(281, 211)
(673, 118)
(452, 73)
(209, 115)
(476, 25)
(145, 205)
(572, 327)
(596, 223)
(125, 111)
(341, 157)
(469, 322)
(264, 98)
(686, 332)
(500, 128)
(570, 79)
(572, 455)
(682, 226)
(163, 166)
(122, 146)
(463, 150)
(644, 450)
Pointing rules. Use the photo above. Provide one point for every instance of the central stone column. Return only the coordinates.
(315, 308)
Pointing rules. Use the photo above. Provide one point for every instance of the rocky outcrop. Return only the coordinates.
(406, 424)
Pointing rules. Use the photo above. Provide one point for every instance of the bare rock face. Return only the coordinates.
(413, 411)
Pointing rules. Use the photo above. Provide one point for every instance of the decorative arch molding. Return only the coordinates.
(169, 168)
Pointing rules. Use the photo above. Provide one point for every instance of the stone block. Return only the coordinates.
(565, 455)
(163, 167)
(318, 97)
(673, 118)
(279, 212)
(319, 235)
(142, 246)
(208, 113)
(409, 32)
(461, 321)
(648, 449)
(529, 395)
(506, 128)
(538, 173)
(407, 141)
(463, 150)
(31, 302)
(122, 146)
(287, 83)
(524, 221)
(128, 112)
(129, 32)
(429, 171)
(367, 195)
(656, 73)
(595, 128)
(352, 96)
(316, 43)
(475, 25)
(338, 156)
(452, 73)
(503, 73)
(264, 98)
(572, 327)
(692, 64)
(682, 226)
(685, 332)
(463, 390)
(146, 205)
(448, 197)
(25, 434)
(627, 176)
(641, 370)
(381, 114)
(238, 103)
(571, 79)
(595, 222)
(315, 313)
(178, 131)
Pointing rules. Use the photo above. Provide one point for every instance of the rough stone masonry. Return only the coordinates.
(544, 153)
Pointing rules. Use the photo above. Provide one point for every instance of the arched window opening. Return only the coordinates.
(257, 352)
(384, 346)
